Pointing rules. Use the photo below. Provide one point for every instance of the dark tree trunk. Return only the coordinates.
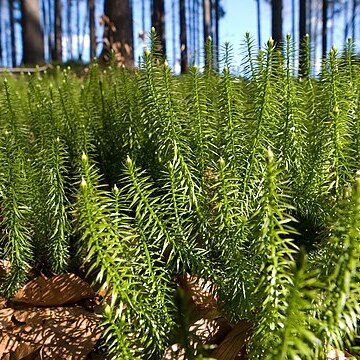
(50, 36)
(197, 31)
(1, 43)
(8, 46)
(332, 12)
(324, 27)
(45, 25)
(91, 5)
(118, 31)
(69, 29)
(143, 15)
(193, 32)
(346, 21)
(309, 11)
(189, 26)
(32, 36)
(183, 39)
(258, 22)
(12, 32)
(78, 29)
(217, 33)
(173, 30)
(158, 22)
(276, 21)
(207, 19)
(293, 18)
(353, 19)
(57, 55)
(302, 21)
(302, 33)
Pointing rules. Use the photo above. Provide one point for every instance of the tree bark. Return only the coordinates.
(69, 29)
(12, 32)
(32, 35)
(258, 10)
(173, 30)
(302, 21)
(309, 15)
(293, 18)
(91, 5)
(118, 31)
(346, 21)
(1, 43)
(217, 31)
(302, 33)
(353, 19)
(183, 38)
(207, 19)
(332, 12)
(79, 40)
(158, 22)
(57, 55)
(324, 27)
(276, 21)
(50, 35)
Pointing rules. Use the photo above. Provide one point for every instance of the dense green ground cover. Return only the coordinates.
(250, 182)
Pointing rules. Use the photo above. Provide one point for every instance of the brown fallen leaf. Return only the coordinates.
(56, 291)
(25, 351)
(7, 343)
(200, 291)
(5, 317)
(211, 331)
(231, 346)
(60, 332)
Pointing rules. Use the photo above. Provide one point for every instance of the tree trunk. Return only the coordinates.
(193, 32)
(197, 32)
(346, 21)
(8, 46)
(259, 22)
(50, 37)
(69, 29)
(79, 40)
(118, 31)
(1, 43)
(309, 27)
(32, 35)
(332, 12)
(44, 26)
(293, 18)
(12, 32)
(302, 33)
(189, 28)
(217, 32)
(324, 27)
(57, 55)
(302, 21)
(173, 30)
(276, 21)
(158, 22)
(91, 5)
(183, 39)
(207, 19)
(353, 19)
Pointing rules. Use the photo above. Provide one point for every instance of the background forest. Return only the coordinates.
(45, 31)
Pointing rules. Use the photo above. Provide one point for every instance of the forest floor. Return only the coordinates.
(60, 318)
(51, 318)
